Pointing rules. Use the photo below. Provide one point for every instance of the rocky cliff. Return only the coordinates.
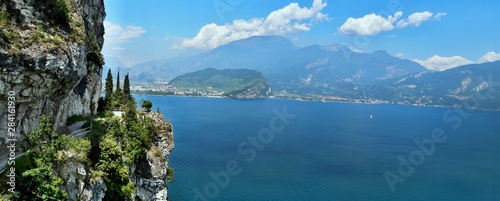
(149, 175)
(50, 58)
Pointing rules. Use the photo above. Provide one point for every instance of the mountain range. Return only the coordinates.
(332, 70)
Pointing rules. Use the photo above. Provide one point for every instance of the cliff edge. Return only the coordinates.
(50, 60)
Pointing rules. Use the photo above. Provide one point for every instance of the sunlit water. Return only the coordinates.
(329, 151)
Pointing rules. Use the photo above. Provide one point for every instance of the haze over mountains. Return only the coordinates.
(275, 55)
(333, 70)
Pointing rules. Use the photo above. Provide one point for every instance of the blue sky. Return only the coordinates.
(437, 34)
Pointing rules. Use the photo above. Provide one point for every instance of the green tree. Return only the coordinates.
(108, 90)
(126, 88)
(115, 172)
(38, 181)
(118, 80)
(118, 100)
(130, 115)
(44, 183)
(146, 104)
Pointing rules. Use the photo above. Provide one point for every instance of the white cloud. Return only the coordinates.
(400, 55)
(370, 24)
(489, 57)
(439, 15)
(439, 63)
(373, 24)
(118, 48)
(415, 19)
(115, 33)
(289, 19)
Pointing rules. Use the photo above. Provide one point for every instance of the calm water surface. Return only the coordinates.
(329, 151)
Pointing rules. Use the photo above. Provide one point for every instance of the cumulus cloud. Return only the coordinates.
(289, 19)
(373, 24)
(438, 63)
(370, 24)
(116, 33)
(489, 57)
(415, 19)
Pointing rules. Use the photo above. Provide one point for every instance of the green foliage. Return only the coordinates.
(4, 17)
(38, 35)
(136, 143)
(137, 136)
(126, 87)
(57, 40)
(94, 55)
(77, 32)
(118, 81)
(110, 157)
(38, 180)
(46, 184)
(146, 104)
(101, 105)
(81, 148)
(115, 128)
(56, 10)
(114, 171)
(5, 197)
(170, 174)
(95, 124)
(6, 35)
(108, 90)
(76, 118)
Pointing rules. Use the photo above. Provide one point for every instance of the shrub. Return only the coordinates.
(94, 54)
(147, 104)
(170, 174)
(4, 17)
(57, 40)
(38, 35)
(56, 10)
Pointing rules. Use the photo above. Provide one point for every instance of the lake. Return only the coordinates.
(280, 149)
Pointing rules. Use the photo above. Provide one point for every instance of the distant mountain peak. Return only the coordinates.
(381, 52)
(337, 47)
(258, 41)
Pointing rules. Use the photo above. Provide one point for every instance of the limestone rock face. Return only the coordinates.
(150, 175)
(79, 183)
(50, 67)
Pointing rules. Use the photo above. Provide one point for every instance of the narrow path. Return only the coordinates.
(4, 158)
(76, 126)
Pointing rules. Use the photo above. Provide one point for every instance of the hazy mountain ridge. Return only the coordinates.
(333, 70)
(473, 85)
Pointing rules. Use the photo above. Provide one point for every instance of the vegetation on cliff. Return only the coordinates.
(114, 145)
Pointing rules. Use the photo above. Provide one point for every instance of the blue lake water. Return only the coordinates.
(329, 151)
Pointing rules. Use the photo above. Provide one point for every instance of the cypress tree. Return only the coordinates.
(108, 90)
(118, 80)
(126, 87)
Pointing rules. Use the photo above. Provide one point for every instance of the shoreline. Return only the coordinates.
(324, 101)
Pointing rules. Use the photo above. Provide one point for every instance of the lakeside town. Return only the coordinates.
(164, 89)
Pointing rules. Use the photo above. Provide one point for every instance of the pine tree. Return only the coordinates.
(108, 90)
(126, 88)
